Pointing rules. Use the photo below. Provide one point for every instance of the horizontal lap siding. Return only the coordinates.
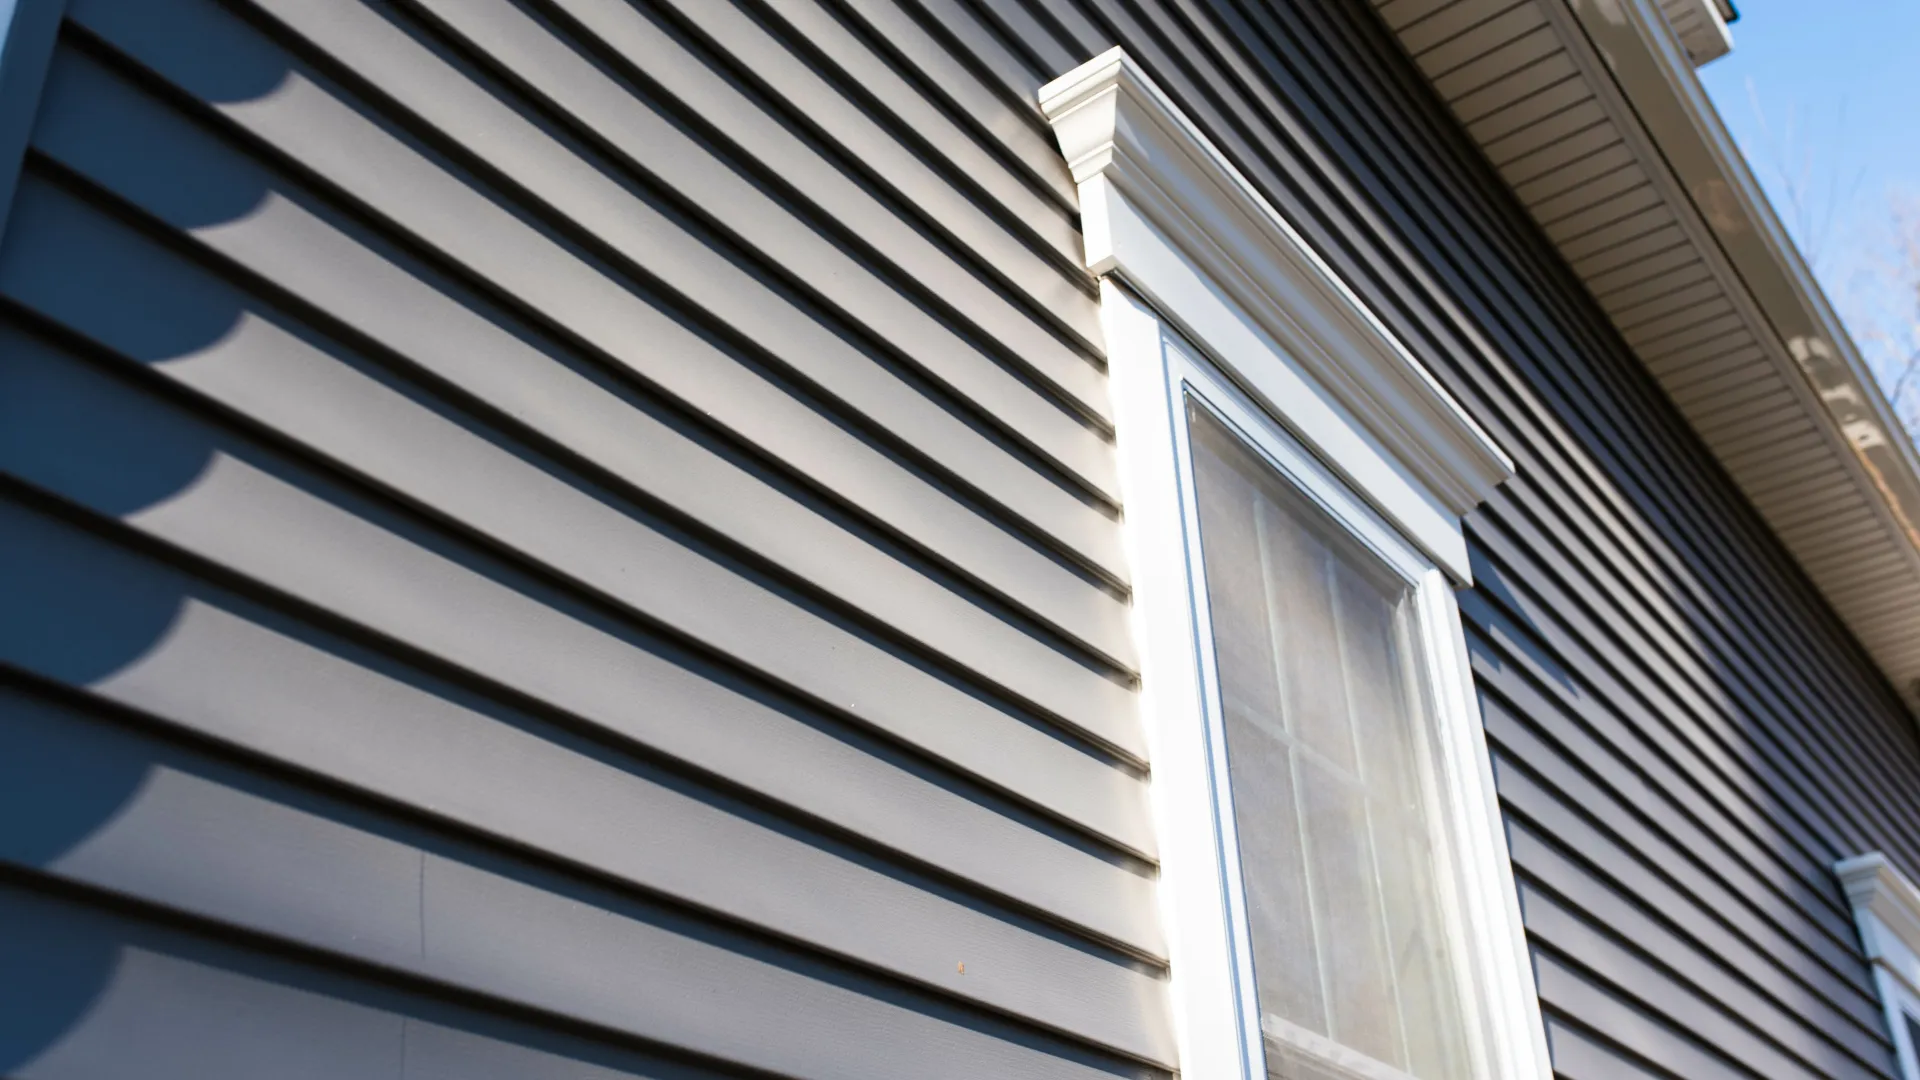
(559, 539)
(579, 538)
(1685, 739)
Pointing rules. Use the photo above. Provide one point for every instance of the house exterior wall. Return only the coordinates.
(581, 539)
(529, 544)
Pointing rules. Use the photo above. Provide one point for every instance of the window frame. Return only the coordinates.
(1204, 284)
(1903, 1016)
(1191, 376)
(1461, 750)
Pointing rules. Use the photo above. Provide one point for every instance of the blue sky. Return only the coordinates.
(1823, 97)
(1835, 79)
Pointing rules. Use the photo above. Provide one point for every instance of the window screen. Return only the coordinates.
(1328, 751)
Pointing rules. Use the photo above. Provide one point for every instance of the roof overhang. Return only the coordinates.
(1591, 111)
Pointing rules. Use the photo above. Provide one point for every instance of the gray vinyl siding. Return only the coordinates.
(1685, 739)
(580, 539)
(572, 539)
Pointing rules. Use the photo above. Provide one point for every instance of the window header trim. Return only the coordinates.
(1886, 905)
(1139, 160)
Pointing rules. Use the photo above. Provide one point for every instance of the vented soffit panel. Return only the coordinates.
(1591, 111)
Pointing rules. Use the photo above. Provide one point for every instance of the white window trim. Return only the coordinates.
(1165, 211)
(1886, 908)
(1191, 256)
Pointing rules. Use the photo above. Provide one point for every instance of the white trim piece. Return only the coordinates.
(1901, 1004)
(1204, 989)
(1229, 883)
(1700, 27)
(1886, 908)
(1329, 1056)
(1517, 1033)
(1167, 213)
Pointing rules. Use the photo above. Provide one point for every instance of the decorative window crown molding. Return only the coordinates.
(1886, 908)
(1886, 905)
(1120, 133)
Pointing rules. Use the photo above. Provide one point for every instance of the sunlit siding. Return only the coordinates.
(555, 538)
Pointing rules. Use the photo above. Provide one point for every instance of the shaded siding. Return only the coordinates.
(540, 543)
(1685, 738)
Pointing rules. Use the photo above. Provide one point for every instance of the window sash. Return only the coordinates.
(1192, 378)
(1329, 741)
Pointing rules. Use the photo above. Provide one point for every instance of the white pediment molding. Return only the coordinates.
(1121, 134)
(1886, 907)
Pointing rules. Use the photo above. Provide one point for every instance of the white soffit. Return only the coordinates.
(1591, 112)
(1120, 134)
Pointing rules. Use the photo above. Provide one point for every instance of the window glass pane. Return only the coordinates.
(1327, 756)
